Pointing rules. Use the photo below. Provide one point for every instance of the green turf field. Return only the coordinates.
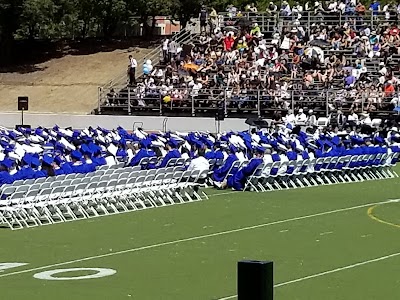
(330, 242)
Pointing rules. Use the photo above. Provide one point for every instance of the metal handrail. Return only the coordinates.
(323, 98)
(184, 36)
(180, 37)
(137, 123)
(165, 121)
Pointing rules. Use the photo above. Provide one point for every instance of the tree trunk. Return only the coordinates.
(6, 48)
(153, 25)
(146, 27)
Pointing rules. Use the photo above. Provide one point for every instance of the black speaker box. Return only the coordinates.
(23, 103)
(255, 280)
(23, 126)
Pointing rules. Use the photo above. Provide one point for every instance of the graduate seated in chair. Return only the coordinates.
(171, 147)
(221, 172)
(238, 179)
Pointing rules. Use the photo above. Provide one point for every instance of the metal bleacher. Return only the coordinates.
(318, 97)
(120, 83)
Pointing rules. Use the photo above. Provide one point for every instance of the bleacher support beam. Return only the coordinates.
(255, 280)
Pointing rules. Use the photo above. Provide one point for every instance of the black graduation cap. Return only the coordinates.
(259, 123)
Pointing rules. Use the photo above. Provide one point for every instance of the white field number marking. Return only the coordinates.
(6, 266)
(49, 275)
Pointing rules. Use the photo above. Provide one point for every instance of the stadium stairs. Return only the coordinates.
(120, 84)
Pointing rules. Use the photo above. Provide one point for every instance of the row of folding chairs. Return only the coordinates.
(118, 168)
(68, 202)
(97, 176)
(321, 171)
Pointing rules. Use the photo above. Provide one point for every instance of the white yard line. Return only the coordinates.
(359, 264)
(195, 238)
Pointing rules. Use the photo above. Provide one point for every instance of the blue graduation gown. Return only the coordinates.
(80, 168)
(99, 161)
(91, 167)
(219, 154)
(275, 157)
(291, 155)
(209, 155)
(40, 174)
(5, 178)
(138, 157)
(66, 167)
(151, 154)
(170, 155)
(59, 171)
(238, 180)
(220, 173)
(26, 172)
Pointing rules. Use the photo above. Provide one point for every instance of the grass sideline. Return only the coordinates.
(190, 251)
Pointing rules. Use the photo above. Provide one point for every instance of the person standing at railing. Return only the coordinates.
(203, 17)
(272, 8)
(132, 70)
(375, 7)
(165, 51)
(213, 20)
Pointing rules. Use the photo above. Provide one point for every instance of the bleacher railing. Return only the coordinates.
(274, 22)
(257, 102)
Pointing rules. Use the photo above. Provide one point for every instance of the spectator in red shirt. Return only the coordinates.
(228, 42)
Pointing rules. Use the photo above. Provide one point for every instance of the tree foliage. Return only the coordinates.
(59, 19)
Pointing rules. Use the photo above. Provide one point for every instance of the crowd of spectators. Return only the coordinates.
(341, 52)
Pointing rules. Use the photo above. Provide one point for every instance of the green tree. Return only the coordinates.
(10, 11)
(148, 10)
(37, 18)
(108, 13)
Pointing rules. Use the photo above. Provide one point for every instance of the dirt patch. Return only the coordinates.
(68, 84)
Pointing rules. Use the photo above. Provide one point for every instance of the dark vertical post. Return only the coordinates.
(255, 280)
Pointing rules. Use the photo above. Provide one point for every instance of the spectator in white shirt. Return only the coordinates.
(341, 7)
(267, 159)
(301, 117)
(200, 163)
(132, 70)
(312, 119)
(352, 118)
(165, 50)
(332, 7)
(290, 118)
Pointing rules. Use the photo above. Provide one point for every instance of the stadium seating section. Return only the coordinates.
(314, 60)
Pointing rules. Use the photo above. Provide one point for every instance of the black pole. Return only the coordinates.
(255, 280)
(22, 117)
